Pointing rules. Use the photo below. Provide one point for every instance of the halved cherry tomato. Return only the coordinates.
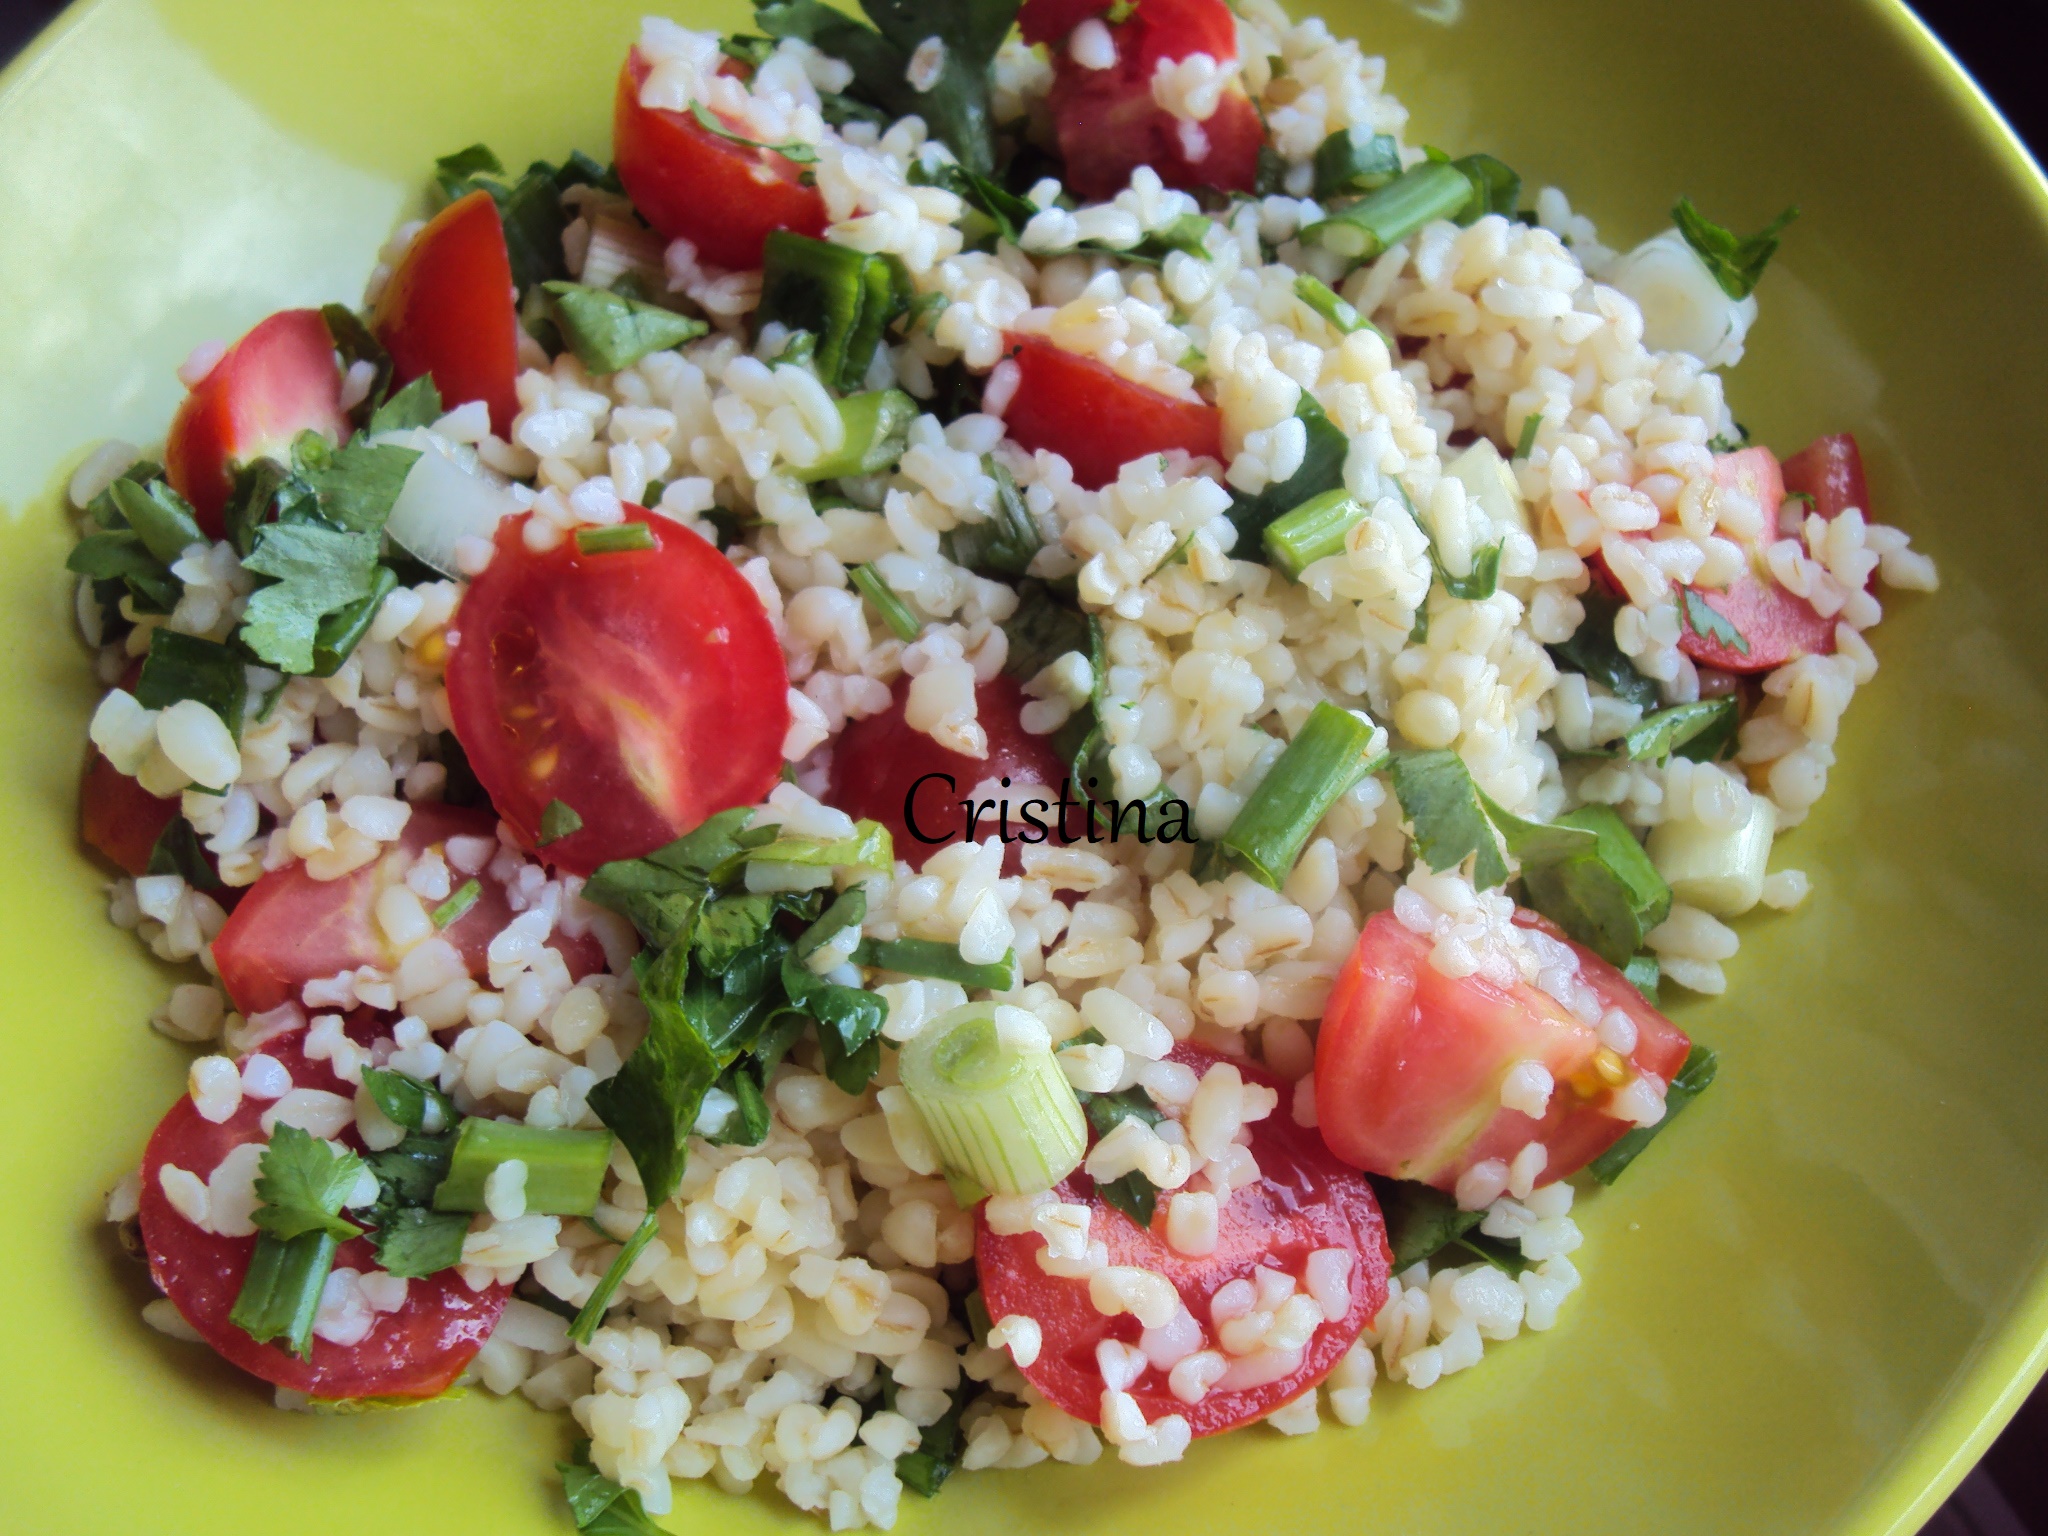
(1097, 420)
(1409, 1062)
(1830, 470)
(276, 382)
(1777, 626)
(416, 1351)
(1304, 1200)
(644, 689)
(1107, 120)
(880, 764)
(119, 817)
(450, 310)
(691, 184)
(290, 929)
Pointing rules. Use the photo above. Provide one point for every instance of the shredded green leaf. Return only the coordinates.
(1693, 1079)
(608, 331)
(557, 821)
(1443, 804)
(315, 571)
(1737, 263)
(181, 666)
(1709, 624)
(459, 902)
(1592, 651)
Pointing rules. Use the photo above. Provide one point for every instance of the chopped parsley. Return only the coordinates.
(1704, 620)
(1737, 263)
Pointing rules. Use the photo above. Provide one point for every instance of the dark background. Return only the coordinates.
(1995, 39)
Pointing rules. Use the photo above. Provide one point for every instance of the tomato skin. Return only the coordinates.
(450, 311)
(876, 763)
(1049, 21)
(645, 689)
(289, 929)
(1409, 1062)
(279, 380)
(417, 1351)
(1097, 420)
(1305, 1200)
(691, 184)
(117, 817)
(1830, 470)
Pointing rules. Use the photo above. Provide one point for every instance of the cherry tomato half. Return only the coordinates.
(276, 382)
(1304, 1200)
(289, 928)
(691, 184)
(119, 818)
(1097, 420)
(1776, 626)
(416, 1351)
(1830, 470)
(450, 310)
(880, 762)
(644, 689)
(1409, 1062)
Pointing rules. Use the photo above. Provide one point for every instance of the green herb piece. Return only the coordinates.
(750, 51)
(529, 208)
(877, 432)
(280, 1295)
(849, 1024)
(1443, 805)
(356, 486)
(1730, 442)
(1608, 897)
(609, 332)
(795, 150)
(1592, 651)
(408, 1102)
(1313, 531)
(120, 556)
(937, 959)
(600, 1506)
(1331, 752)
(416, 405)
(1188, 233)
(1339, 311)
(619, 539)
(160, 517)
(317, 571)
(181, 666)
(463, 898)
(453, 172)
(1693, 1079)
(1352, 160)
(937, 1456)
(975, 1311)
(660, 892)
(564, 1168)
(1645, 975)
(1423, 1222)
(355, 343)
(177, 852)
(747, 1125)
(1322, 469)
(1364, 229)
(1476, 585)
(897, 614)
(1709, 623)
(260, 486)
(1044, 628)
(1133, 1194)
(846, 298)
(1005, 543)
(1737, 262)
(413, 1242)
(1006, 211)
(1531, 425)
(341, 631)
(1705, 725)
(301, 1184)
(557, 821)
(1495, 188)
(870, 848)
(409, 1173)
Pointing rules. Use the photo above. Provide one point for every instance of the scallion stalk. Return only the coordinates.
(1330, 753)
(1332, 306)
(936, 959)
(564, 1168)
(1312, 531)
(1001, 1116)
(1379, 219)
(619, 539)
(280, 1295)
(896, 613)
(877, 431)
(464, 898)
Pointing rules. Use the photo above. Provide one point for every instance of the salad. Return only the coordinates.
(1000, 752)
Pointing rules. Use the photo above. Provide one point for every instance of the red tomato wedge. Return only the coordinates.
(1305, 1200)
(1830, 470)
(276, 382)
(118, 817)
(644, 689)
(1107, 120)
(1096, 420)
(879, 764)
(1776, 626)
(450, 311)
(691, 184)
(416, 1351)
(290, 929)
(1409, 1062)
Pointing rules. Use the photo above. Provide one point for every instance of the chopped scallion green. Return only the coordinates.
(937, 959)
(564, 1168)
(280, 1295)
(843, 297)
(457, 904)
(1350, 160)
(1331, 752)
(1313, 531)
(1327, 302)
(877, 432)
(896, 613)
(619, 539)
(1397, 210)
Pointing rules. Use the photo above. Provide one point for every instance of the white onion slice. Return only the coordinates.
(442, 502)
(1684, 309)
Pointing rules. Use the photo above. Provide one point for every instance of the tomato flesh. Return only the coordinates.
(1776, 625)
(1409, 1062)
(689, 183)
(644, 689)
(1097, 420)
(1107, 120)
(276, 382)
(1305, 1200)
(416, 1351)
(1830, 470)
(289, 928)
(450, 311)
(879, 763)
(119, 818)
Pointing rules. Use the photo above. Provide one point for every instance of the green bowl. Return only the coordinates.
(1808, 1310)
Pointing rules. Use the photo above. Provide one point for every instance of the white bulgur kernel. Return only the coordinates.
(215, 1084)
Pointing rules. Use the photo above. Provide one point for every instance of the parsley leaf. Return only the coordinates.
(651, 1103)
(355, 486)
(1439, 798)
(1701, 730)
(609, 331)
(181, 666)
(1736, 263)
(1693, 1079)
(119, 555)
(355, 343)
(1592, 652)
(160, 517)
(1709, 623)
(302, 1183)
(416, 405)
(316, 571)
(177, 852)
(557, 821)
(1006, 542)
(599, 1505)
(414, 1242)
(1608, 895)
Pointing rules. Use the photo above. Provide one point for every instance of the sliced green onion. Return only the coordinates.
(1000, 1115)
(1531, 425)
(1394, 212)
(938, 960)
(1313, 531)
(1331, 752)
(564, 1169)
(1332, 306)
(616, 540)
(591, 1317)
(877, 432)
(1351, 161)
(280, 1295)
(843, 297)
(463, 899)
(894, 611)
(557, 822)
(1496, 187)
